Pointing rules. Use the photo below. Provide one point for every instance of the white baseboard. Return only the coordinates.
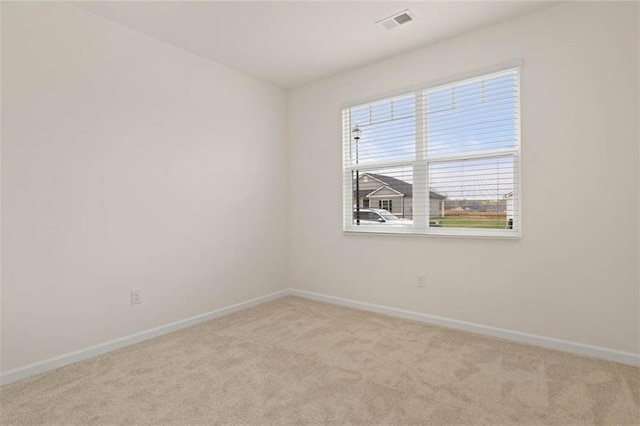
(546, 342)
(531, 339)
(62, 360)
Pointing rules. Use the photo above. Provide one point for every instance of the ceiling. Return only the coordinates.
(292, 43)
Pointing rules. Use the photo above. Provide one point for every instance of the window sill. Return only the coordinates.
(436, 232)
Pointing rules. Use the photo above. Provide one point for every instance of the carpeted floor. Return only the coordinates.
(295, 361)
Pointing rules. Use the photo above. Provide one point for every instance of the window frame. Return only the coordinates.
(421, 162)
(388, 202)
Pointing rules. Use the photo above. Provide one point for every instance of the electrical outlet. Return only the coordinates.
(422, 281)
(136, 297)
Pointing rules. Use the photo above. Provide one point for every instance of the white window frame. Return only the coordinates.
(388, 202)
(421, 165)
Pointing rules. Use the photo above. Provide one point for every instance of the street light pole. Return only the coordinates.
(356, 136)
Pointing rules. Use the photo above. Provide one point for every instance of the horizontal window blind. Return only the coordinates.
(441, 159)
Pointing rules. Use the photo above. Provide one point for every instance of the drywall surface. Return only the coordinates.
(574, 273)
(1, 339)
(638, 139)
(129, 164)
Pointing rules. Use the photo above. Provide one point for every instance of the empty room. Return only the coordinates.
(320, 212)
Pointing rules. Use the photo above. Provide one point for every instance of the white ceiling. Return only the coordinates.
(292, 43)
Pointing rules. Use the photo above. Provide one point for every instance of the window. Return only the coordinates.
(445, 156)
(386, 205)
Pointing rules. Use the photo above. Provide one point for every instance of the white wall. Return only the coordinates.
(574, 273)
(120, 154)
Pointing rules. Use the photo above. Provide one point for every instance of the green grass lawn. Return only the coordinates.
(471, 222)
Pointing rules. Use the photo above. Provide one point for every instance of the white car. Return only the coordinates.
(378, 217)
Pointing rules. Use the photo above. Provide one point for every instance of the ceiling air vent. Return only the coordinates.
(396, 20)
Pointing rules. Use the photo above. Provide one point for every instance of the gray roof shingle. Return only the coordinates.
(398, 185)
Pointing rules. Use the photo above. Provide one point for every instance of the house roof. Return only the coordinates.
(388, 188)
(400, 186)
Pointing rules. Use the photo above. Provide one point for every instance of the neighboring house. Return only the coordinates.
(510, 209)
(394, 195)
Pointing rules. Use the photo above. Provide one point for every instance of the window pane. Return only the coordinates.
(383, 130)
(473, 115)
(479, 193)
(388, 192)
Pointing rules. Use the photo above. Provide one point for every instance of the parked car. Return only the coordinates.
(378, 217)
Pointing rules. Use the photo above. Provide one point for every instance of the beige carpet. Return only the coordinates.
(295, 361)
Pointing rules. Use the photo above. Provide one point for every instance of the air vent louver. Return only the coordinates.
(396, 20)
